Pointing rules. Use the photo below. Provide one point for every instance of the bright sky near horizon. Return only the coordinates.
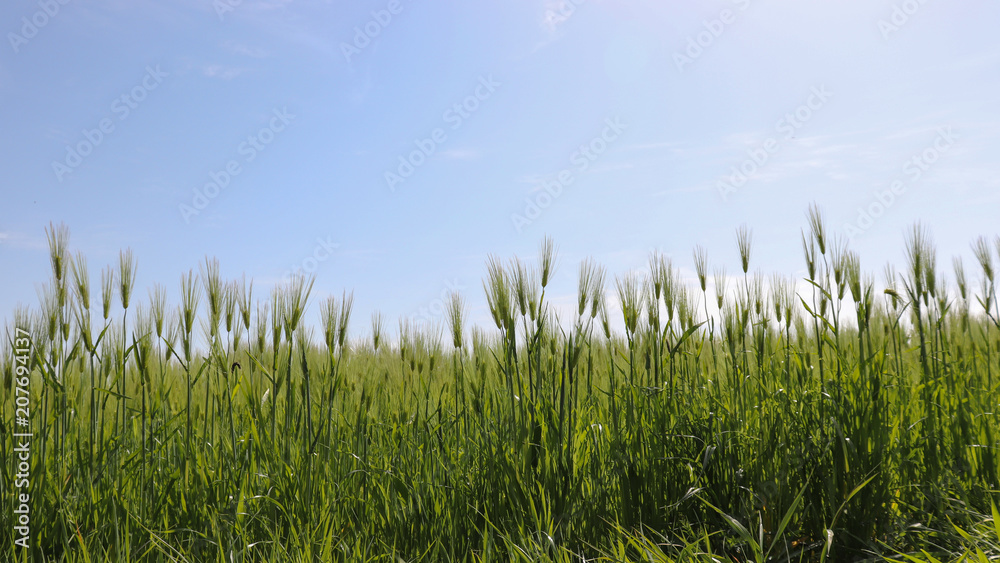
(389, 146)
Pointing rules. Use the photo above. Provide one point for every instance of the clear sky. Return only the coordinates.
(390, 146)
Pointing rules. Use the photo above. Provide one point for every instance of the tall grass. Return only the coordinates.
(791, 420)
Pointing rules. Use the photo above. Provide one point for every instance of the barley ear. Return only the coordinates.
(126, 276)
(744, 242)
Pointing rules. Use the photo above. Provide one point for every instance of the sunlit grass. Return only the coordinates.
(838, 421)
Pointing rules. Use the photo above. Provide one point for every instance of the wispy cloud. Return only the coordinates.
(610, 168)
(533, 178)
(664, 145)
(222, 71)
(461, 154)
(990, 60)
(244, 50)
(21, 241)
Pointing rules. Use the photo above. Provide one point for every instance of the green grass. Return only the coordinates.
(825, 420)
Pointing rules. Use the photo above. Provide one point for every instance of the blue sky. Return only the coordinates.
(305, 110)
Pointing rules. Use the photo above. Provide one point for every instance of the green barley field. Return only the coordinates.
(848, 415)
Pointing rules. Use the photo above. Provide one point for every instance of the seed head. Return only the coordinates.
(597, 291)
(890, 278)
(58, 238)
(656, 275)
(519, 276)
(157, 307)
(588, 275)
(818, 227)
(943, 300)
(277, 314)
(189, 301)
(260, 332)
(126, 276)
(107, 288)
(497, 288)
(378, 329)
(213, 293)
(245, 300)
(809, 249)
(142, 339)
(605, 322)
(852, 267)
(330, 311)
(918, 251)
(744, 241)
(630, 297)
(839, 253)
(295, 303)
(81, 280)
(230, 297)
(701, 266)
(546, 259)
(758, 302)
(49, 298)
(982, 251)
(652, 306)
(456, 313)
(778, 296)
(719, 281)
(346, 305)
(930, 273)
(959, 268)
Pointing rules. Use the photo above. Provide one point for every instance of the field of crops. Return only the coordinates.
(744, 417)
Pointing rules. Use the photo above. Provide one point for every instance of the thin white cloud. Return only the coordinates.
(245, 50)
(985, 60)
(673, 146)
(221, 71)
(534, 178)
(610, 168)
(461, 154)
(21, 241)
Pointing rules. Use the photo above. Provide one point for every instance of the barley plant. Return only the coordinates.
(745, 418)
